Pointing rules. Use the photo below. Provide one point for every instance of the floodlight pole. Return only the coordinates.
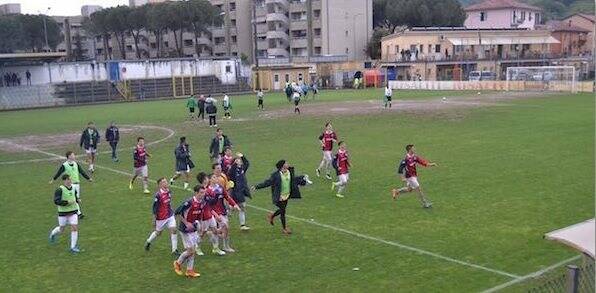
(256, 49)
(45, 28)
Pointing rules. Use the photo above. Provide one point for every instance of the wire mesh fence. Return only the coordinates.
(573, 278)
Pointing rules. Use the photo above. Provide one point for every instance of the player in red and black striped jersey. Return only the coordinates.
(342, 166)
(216, 194)
(140, 155)
(327, 138)
(408, 173)
(190, 214)
(163, 215)
(227, 160)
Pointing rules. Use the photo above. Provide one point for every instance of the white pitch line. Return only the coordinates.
(531, 275)
(337, 229)
(54, 158)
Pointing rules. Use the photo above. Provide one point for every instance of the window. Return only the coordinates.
(233, 22)
(316, 13)
(99, 51)
(537, 18)
(153, 45)
(317, 32)
(438, 48)
(514, 16)
(317, 50)
(129, 48)
(430, 48)
(530, 16)
(188, 43)
(299, 76)
(287, 77)
(347, 51)
(482, 16)
(166, 44)
(232, 6)
(234, 39)
(228, 69)
(299, 34)
(421, 48)
(219, 40)
(523, 15)
(276, 78)
(98, 38)
(396, 49)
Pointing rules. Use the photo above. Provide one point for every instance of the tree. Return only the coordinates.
(394, 13)
(78, 50)
(34, 34)
(177, 20)
(373, 48)
(201, 16)
(11, 34)
(157, 24)
(97, 24)
(137, 23)
(118, 26)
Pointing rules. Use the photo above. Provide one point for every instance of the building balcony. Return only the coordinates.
(299, 24)
(297, 6)
(283, 3)
(262, 45)
(277, 16)
(278, 35)
(301, 42)
(278, 52)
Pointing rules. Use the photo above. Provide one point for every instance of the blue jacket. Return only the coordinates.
(183, 161)
(236, 174)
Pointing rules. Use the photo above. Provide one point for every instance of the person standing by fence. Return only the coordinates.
(113, 136)
(28, 76)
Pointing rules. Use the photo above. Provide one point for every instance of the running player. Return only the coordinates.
(190, 213)
(66, 198)
(89, 141)
(163, 216)
(296, 98)
(260, 97)
(388, 94)
(327, 138)
(227, 105)
(183, 162)
(218, 188)
(408, 164)
(342, 165)
(140, 156)
(209, 218)
(73, 170)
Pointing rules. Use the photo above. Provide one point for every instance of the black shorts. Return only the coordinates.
(260, 102)
(226, 108)
(296, 102)
(388, 98)
(192, 110)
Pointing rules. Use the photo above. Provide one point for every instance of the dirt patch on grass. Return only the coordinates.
(430, 106)
(22, 143)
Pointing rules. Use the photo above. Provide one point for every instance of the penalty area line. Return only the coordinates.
(338, 229)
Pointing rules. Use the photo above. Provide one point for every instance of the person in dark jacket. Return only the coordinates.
(183, 162)
(89, 141)
(113, 136)
(284, 185)
(241, 190)
(289, 91)
(218, 145)
(211, 109)
(201, 105)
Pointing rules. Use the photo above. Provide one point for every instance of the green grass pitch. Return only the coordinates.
(507, 174)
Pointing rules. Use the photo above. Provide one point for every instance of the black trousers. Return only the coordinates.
(113, 145)
(212, 120)
(201, 113)
(281, 212)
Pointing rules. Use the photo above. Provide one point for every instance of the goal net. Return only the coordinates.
(541, 78)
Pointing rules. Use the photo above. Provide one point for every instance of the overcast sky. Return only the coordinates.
(61, 7)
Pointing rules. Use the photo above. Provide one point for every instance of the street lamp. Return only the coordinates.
(45, 26)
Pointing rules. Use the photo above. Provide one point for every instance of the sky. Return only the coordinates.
(61, 7)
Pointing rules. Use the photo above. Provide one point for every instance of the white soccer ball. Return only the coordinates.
(478, 92)
(444, 99)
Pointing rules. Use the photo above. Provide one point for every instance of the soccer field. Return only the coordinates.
(511, 167)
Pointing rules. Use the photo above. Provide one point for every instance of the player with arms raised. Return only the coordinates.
(408, 166)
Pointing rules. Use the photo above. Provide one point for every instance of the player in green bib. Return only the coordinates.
(191, 104)
(74, 171)
(66, 200)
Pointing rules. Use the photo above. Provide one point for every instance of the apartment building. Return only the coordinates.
(502, 14)
(300, 29)
(452, 53)
(10, 8)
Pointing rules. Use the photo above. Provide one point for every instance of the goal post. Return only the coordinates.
(542, 78)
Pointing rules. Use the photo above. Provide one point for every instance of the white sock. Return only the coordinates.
(55, 231)
(152, 236)
(190, 262)
(242, 217)
(79, 209)
(185, 185)
(214, 239)
(174, 239)
(322, 164)
(145, 183)
(341, 187)
(227, 242)
(74, 237)
(91, 166)
(183, 257)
